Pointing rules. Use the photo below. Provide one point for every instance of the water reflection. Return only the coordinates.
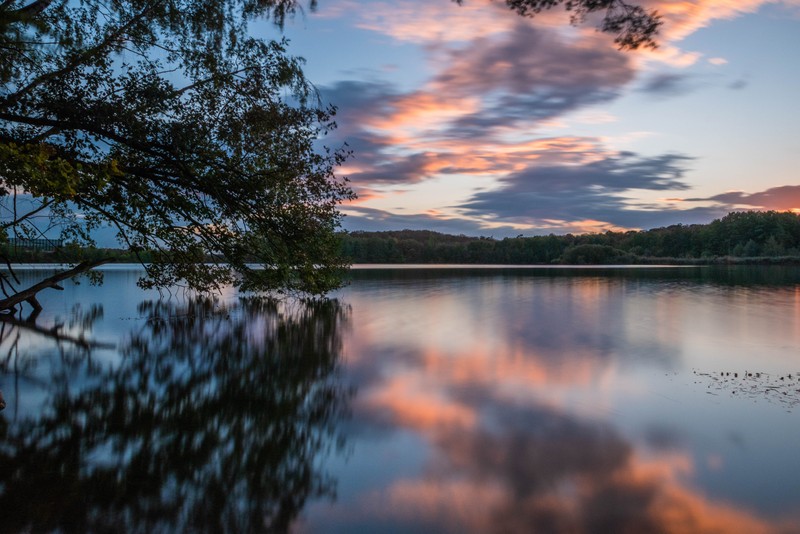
(540, 402)
(493, 401)
(213, 419)
(532, 468)
(722, 275)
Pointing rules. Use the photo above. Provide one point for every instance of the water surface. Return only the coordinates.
(420, 399)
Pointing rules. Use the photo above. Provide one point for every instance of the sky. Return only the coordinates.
(473, 120)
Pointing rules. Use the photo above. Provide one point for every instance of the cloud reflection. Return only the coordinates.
(505, 387)
(535, 469)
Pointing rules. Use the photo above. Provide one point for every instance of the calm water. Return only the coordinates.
(419, 400)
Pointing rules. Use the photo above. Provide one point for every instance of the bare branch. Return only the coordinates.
(29, 294)
(28, 215)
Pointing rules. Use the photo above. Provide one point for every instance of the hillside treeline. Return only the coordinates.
(70, 253)
(739, 236)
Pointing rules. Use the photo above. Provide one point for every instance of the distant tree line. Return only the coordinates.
(69, 253)
(739, 237)
(746, 237)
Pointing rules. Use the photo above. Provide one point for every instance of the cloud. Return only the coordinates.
(559, 186)
(444, 22)
(407, 138)
(781, 198)
(437, 24)
(667, 85)
(485, 89)
(738, 84)
(594, 190)
(434, 22)
(530, 75)
(682, 18)
(374, 220)
(498, 79)
(529, 58)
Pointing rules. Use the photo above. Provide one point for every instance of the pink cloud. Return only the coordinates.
(435, 22)
(783, 198)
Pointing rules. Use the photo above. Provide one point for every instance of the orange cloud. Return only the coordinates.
(682, 18)
(782, 198)
(414, 113)
(438, 23)
(435, 22)
(586, 226)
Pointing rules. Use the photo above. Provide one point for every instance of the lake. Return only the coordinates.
(417, 399)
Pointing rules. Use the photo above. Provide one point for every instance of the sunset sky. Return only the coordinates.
(474, 120)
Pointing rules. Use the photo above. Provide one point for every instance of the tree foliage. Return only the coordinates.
(168, 121)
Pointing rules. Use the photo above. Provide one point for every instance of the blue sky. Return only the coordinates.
(470, 119)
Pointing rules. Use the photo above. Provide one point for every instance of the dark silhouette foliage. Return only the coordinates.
(213, 421)
(166, 120)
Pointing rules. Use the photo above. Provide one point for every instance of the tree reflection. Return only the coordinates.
(214, 420)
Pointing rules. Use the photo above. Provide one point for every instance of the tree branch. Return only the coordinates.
(148, 148)
(80, 59)
(18, 220)
(29, 295)
(34, 8)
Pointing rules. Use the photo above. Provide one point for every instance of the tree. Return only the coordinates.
(166, 120)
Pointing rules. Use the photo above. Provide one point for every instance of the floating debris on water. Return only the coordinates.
(777, 387)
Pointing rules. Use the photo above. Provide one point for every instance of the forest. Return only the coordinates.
(739, 237)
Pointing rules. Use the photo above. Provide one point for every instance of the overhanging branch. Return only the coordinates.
(29, 295)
